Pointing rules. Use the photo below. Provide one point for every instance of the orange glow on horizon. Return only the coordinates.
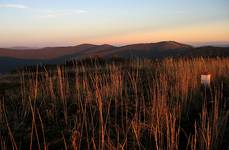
(218, 32)
(197, 34)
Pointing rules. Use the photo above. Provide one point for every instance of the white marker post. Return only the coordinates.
(206, 79)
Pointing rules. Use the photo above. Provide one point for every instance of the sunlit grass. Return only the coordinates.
(137, 104)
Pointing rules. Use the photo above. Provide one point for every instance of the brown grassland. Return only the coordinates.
(136, 104)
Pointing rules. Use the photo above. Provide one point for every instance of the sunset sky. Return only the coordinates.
(38, 23)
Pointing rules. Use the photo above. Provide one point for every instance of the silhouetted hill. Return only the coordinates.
(209, 51)
(150, 50)
(91, 50)
(44, 53)
(10, 59)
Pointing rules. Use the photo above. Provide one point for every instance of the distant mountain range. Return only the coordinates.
(12, 58)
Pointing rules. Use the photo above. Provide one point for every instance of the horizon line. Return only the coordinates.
(193, 44)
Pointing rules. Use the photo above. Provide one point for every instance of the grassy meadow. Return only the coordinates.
(131, 104)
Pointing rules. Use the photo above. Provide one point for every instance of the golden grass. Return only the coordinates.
(140, 104)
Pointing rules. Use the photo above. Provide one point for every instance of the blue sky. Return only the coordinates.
(71, 22)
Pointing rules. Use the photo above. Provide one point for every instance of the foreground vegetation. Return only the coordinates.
(134, 104)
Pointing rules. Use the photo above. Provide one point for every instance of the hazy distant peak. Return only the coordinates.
(85, 44)
(22, 48)
(164, 45)
(173, 45)
(107, 45)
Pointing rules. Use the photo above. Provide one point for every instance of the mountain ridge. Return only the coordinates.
(55, 52)
(11, 59)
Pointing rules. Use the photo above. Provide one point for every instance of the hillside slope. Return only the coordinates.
(11, 59)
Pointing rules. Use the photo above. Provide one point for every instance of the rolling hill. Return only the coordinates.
(13, 58)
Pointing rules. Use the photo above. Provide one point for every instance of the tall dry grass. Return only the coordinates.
(140, 104)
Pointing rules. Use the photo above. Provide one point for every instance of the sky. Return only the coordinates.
(40, 23)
